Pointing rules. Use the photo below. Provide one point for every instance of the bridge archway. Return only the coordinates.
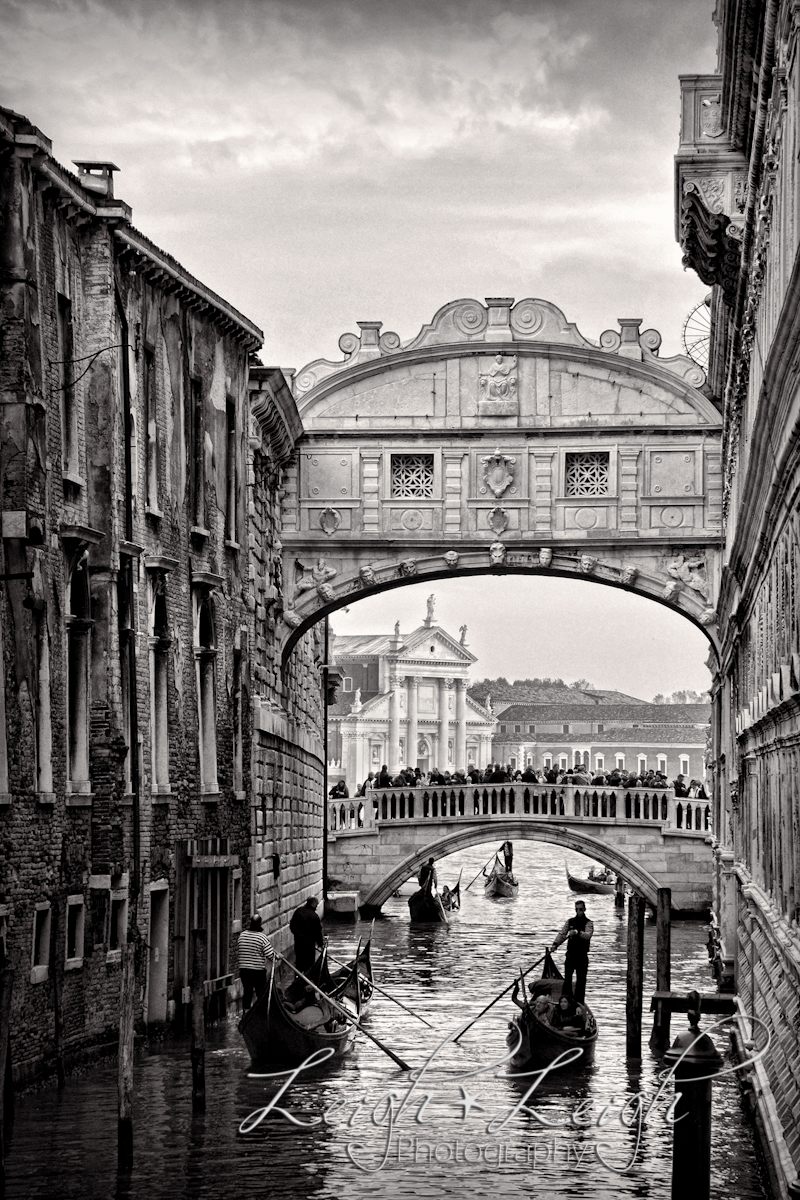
(501, 440)
(461, 838)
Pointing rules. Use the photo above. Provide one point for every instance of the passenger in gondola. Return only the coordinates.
(567, 1017)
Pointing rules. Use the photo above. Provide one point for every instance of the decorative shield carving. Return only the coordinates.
(711, 115)
(498, 520)
(329, 520)
(496, 473)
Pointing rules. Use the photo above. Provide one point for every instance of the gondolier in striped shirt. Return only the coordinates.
(255, 955)
(577, 933)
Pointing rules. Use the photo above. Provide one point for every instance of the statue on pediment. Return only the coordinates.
(500, 381)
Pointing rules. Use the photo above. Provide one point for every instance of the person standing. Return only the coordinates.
(577, 933)
(427, 874)
(507, 849)
(256, 952)
(307, 929)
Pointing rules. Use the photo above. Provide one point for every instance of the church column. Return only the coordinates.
(461, 725)
(412, 725)
(444, 722)
(394, 724)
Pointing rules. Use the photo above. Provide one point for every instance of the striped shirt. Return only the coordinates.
(255, 950)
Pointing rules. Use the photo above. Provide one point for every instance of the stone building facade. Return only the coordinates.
(147, 770)
(404, 702)
(738, 220)
(602, 735)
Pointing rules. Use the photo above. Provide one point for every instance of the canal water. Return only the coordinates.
(359, 1128)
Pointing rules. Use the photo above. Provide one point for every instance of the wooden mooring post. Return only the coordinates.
(198, 1053)
(125, 1060)
(6, 987)
(659, 1037)
(633, 1001)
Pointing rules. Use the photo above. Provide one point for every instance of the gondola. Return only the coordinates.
(594, 886)
(426, 905)
(451, 897)
(272, 1032)
(362, 980)
(541, 1043)
(500, 882)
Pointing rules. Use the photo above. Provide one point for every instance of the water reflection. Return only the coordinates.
(475, 1131)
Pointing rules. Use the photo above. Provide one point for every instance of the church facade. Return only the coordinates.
(404, 702)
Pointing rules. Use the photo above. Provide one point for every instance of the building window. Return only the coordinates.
(599, 762)
(238, 734)
(502, 728)
(347, 683)
(232, 473)
(547, 761)
(205, 659)
(513, 764)
(412, 476)
(619, 759)
(600, 728)
(565, 728)
(159, 642)
(661, 764)
(75, 924)
(66, 387)
(580, 758)
(118, 922)
(151, 439)
(586, 474)
(197, 454)
(684, 764)
(126, 634)
(562, 761)
(44, 727)
(40, 961)
(517, 729)
(641, 763)
(531, 729)
(236, 924)
(79, 625)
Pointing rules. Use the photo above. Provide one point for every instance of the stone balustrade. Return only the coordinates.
(540, 802)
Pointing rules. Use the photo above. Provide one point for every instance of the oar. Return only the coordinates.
(500, 997)
(348, 1016)
(390, 997)
(483, 868)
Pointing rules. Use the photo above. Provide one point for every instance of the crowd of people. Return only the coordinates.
(577, 776)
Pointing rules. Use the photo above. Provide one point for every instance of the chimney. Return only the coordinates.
(97, 176)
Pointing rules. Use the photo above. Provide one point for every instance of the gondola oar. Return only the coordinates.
(504, 992)
(389, 996)
(347, 1015)
(483, 868)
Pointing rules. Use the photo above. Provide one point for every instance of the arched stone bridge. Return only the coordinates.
(649, 837)
(499, 439)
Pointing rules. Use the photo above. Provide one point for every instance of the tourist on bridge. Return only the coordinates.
(507, 850)
(307, 929)
(255, 954)
(384, 778)
(339, 791)
(577, 933)
(680, 786)
(427, 873)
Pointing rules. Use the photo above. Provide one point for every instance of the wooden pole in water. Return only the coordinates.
(633, 1003)
(125, 1060)
(198, 1053)
(6, 986)
(660, 1035)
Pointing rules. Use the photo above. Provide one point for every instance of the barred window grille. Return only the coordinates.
(587, 474)
(412, 475)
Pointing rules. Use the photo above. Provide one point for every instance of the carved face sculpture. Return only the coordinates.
(451, 558)
(545, 556)
(708, 616)
(629, 576)
(325, 592)
(367, 576)
(497, 553)
(408, 566)
(588, 563)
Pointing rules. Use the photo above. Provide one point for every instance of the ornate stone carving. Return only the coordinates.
(497, 553)
(412, 519)
(587, 564)
(527, 317)
(470, 318)
(329, 520)
(292, 618)
(321, 573)
(463, 632)
(407, 567)
(496, 474)
(545, 556)
(367, 577)
(712, 189)
(429, 618)
(629, 576)
(498, 520)
(672, 591)
(451, 558)
(711, 115)
(708, 616)
(356, 706)
(691, 572)
(499, 382)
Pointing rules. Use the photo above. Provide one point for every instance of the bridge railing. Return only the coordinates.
(539, 802)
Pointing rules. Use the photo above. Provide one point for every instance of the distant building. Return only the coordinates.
(404, 702)
(600, 732)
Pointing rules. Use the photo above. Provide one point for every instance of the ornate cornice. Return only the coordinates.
(272, 406)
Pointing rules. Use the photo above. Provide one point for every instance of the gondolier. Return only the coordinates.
(255, 955)
(428, 872)
(577, 933)
(507, 850)
(307, 929)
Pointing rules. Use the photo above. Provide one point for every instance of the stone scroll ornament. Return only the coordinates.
(320, 575)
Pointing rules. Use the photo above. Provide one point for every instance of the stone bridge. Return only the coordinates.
(500, 439)
(649, 837)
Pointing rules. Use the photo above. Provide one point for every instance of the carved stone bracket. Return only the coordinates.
(497, 554)
(407, 567)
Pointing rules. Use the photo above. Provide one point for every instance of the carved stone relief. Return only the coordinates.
(407, 567)
(451, 558)
(691, 572)
(496, 473)
(498, 520)
(497, 554)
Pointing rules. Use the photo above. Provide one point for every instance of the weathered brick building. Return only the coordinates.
(149, 780)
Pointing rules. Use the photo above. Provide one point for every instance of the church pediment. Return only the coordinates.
(434, 645)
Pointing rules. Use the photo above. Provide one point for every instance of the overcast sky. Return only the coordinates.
(323, 163)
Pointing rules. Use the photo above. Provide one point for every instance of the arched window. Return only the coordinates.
(79, 625)
(159, 643)
(205, 653)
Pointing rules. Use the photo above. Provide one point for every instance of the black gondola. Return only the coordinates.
(540, 1042)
